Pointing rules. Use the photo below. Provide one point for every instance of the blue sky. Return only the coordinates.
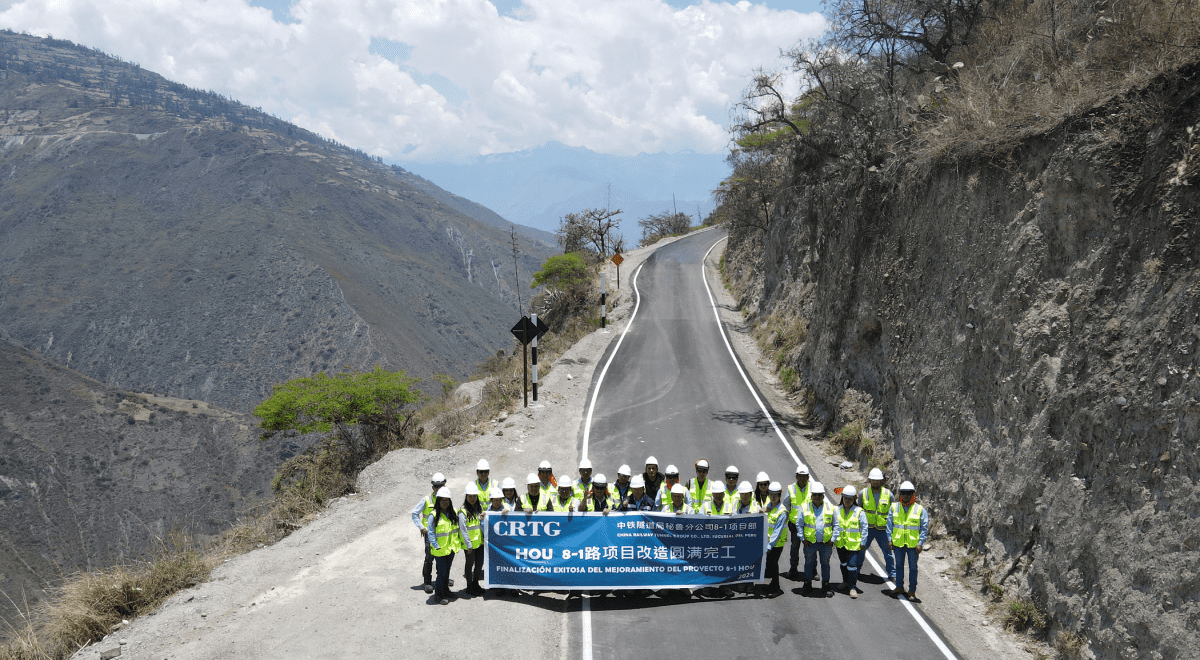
(447, 80)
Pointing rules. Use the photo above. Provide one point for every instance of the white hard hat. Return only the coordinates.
(637, 482)
(775, 487)
(849, 491)
(762, 476)
(544, 465)
(565, 483)
(818, 488)
(801, 468)
(438, 478)
(876, 473)
(624, 469)
(745, 487)
(732, 469)
(651, 461)
(671, 469)
(702, 463)
(908, 485)
(585, 464)
(532, 479)
(472, 489)
(600, 480)
(678, 489)
(510, 483)
(483, 465)
(496, 492)
(444, 492)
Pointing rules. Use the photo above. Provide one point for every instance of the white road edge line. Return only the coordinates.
(585, 621)
(874, 564)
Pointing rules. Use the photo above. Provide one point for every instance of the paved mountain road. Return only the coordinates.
(673, 390)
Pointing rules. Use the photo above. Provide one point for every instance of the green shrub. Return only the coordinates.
(789, 378)
(1025, 615)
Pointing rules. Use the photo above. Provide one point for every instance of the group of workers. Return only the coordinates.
(850, 521)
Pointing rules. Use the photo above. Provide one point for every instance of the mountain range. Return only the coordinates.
(536, 187)
(163, 239)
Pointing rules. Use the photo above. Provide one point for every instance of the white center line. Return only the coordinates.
(585, 620)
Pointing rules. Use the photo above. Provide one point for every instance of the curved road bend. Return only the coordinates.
(673, 391)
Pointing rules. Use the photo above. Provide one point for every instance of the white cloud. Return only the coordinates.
(619, 76)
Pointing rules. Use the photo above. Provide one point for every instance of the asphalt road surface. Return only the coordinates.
(673, 390)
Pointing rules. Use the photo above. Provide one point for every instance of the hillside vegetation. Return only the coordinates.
(164, 239)
(971, 243)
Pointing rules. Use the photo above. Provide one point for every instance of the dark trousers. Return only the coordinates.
(427, 567)
(851, 561)
(473, 570)
(773, 556)
(442, 588)
(797, 540)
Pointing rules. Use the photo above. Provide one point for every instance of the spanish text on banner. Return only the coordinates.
(630, 550)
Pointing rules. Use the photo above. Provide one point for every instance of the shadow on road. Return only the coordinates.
(756, 421)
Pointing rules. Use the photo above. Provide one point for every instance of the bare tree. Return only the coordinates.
(662, 225)
(592, 230)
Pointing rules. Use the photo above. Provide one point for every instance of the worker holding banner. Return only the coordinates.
(498, 504)
(717, 505)
(677, 503)
(597, 498)
(509, 490)
(746, 503)
(638, 499)
(546, 479)
(533, 500)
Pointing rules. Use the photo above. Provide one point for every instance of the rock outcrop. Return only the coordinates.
(1026, 324)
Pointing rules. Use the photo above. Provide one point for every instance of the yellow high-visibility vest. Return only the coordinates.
(448, 538)
(810, 522)
(906, 525)
(877, 510)
(772, 518)
(798, 500)
(851, 536)
(473, 533)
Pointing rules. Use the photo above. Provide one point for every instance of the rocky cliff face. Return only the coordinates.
(167, 240)
(91, 475)
(1025, 326)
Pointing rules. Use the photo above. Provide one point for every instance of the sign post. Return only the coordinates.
(527, 331)
(618, 260)
(603, 301)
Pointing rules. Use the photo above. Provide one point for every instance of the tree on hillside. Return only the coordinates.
(591, 231)
(379, 402)
(662, 225)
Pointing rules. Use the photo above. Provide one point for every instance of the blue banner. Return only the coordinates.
(622, 550)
